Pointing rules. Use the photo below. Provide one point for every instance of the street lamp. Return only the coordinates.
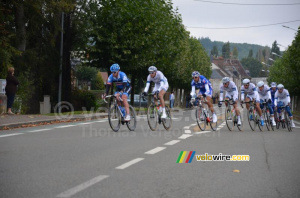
(276, 54)
(266, 64)
(288, 27)
(271, 59)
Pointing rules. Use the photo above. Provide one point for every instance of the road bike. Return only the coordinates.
(283, 119)
(154, 114)
(116, 114)
(203, 116)
(230, 115)
(266, 114)
(253, 117)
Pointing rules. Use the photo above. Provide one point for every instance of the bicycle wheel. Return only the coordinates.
(241, 127)
(229, 118)
(277, 120)
(167, 122)
(288, 122)
(114, 117)
(251, 119)
(200, 117)
(258, 122)
(152, 117)
(213, 125)
(131, 125)
(267, 120)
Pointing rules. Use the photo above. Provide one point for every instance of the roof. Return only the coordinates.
(231, 66)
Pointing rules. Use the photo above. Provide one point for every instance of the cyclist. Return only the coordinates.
(282, 97)
(273, 90)
(250, 89)
(161, 86)
(265, 95)
(204, 86)
(231, 90)
(123, 87)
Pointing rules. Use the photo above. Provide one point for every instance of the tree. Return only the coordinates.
(214, 52)
(226, 50)
(235, 53)
(286, 70)
(253, 65)
(97, 82)
(250, 55)
(275, 49)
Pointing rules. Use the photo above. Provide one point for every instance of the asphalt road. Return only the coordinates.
(88, 159)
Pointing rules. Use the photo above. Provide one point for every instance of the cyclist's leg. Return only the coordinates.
(162, 93)
(125, 96)
(288, 110)
(156, 87)
(248, 99)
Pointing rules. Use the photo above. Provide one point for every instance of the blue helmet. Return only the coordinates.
(115, 67)
(195, 74)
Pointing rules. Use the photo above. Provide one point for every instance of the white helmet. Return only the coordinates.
(260, 84)
(280, 86)
(273, 84)
(152, 69)
(246, 81)
(225, 80)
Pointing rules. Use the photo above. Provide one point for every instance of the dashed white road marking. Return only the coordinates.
(186, 127)
(10, 135)
(187, 131)
(172, 142)
(82, 186)
(127, 164)
(156, 150)
(202, 132)
(184, 136)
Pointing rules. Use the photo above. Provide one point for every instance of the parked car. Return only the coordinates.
(137, 101)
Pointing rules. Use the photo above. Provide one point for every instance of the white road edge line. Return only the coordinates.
(59, 127)
(11, 135)
(38, 130)
(172, 142)
(127, 164)
(184, 136)
(156, 150)
(82, 186)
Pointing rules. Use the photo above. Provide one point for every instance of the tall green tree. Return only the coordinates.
(253, 65)
(235, 53)
(226, 50)
(214, 52)
(275, 49)
(250, 55)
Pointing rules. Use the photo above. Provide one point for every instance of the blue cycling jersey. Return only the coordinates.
(122, 78)
(201, 84)
(273, 93)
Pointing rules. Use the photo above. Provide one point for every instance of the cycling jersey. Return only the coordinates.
(161, 82)
(250, 91)
(231, 91)
(265, 93)
(203, 84)
(273, 94)
(283, 97)
(122, 82)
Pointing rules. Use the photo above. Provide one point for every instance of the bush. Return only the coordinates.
(84, 98)
(97, 82)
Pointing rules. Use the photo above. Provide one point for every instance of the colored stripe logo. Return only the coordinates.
(189, 158)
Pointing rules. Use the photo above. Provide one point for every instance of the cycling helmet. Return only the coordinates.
(195, 74)
(246, 81)
(114, 68)
(225, 80)
(260, 84)
(152, 69)
(280, 86)
(273, 84)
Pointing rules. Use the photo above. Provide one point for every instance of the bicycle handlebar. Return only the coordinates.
(111, 96)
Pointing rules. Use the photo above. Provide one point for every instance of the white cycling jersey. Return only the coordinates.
(231, 90)
(161, 82)
(250, 91)
(265, 93)
(284, 97)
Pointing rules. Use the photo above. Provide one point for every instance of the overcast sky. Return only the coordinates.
(201, 14)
